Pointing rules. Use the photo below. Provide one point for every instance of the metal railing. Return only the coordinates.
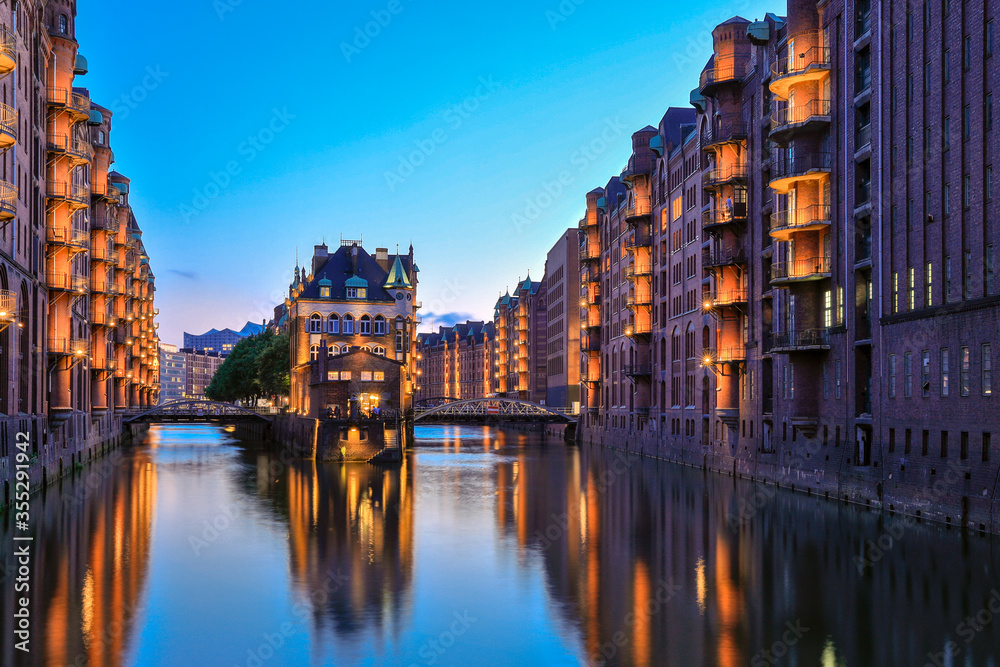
(633, 301)
(61, 97)
(64, 345)
(805, 216)
(638, 269)
(725, 68)
(8, 200)
(727, 297)
(725, 129)
(724, 215)
(63, 143)
(641, 206)
(807, 339)
(8, 122)
(723, 355)
(591, 252)
(801, 269)
(67, 282)
(863, 137)
(785, 165)
(72, 192)
(103, 319)
(720, 176)
(8, 49)
(78, 238)
(814, 57)
(800, 114)
(103, 287)
(723, 256)
(639, 240)
(633, 370)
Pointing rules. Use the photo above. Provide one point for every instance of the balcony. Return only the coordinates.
(100, 319)
(591, 253)
(591, 296)
(104, 287)
(78, 151)
(8, 127)
(66, 282)
(590, 342)
(786, 222)
(725, 256)
(105, 220)
(103, 253)
(104, 365)
(8, 50)
(808, 340)
(76, 104)
(812, 115)
(638, 210)
(714, 178)
(639, 329)
(813, 64)
(723, 355)
(106, 191)
(725, 298)
(724, 69)
(787, 171)
(633, 301)
(726, 129)
(723, 216)
(69, 347)
(77, 240)
(639, 370)
(77, 196)
(639, 240)
(638, 270)
(8, 201)
(800, 270)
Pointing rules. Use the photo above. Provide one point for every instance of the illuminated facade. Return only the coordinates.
(76, 307)
(522, 337)
(457, 362)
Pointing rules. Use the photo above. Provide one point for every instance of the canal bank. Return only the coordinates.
(950, 493)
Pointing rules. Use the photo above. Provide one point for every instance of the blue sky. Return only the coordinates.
(251, 128)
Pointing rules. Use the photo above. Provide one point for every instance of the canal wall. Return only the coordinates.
(955, 492)
(53, 448)
(342, 439)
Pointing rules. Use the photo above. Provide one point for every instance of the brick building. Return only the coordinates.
(562, 322)
(457, 362)
(221, 340)
(78, 343)
(840, 162)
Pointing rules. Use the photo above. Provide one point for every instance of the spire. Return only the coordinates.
(397, 277)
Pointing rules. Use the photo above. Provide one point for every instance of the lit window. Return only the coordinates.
(348, 324)
(966, 362)
(379, 350)
(333, 351)
(63, 24)
(313, 352)
(332, 376)
(945, 372)
(345, 376)
(987, 370)
(315, 324)
(925, 373)
(378, 376)
(333, 324)
(366, 376)
(892, 376)
(324, 292)
(907, 375)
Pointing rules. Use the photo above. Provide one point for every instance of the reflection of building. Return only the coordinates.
(221, 341)
(350, 529)
(352, 304)
(457, 362)
(173, 373)
(78, 344)
(90, 560)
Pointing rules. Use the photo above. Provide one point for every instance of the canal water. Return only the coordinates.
(484, 548)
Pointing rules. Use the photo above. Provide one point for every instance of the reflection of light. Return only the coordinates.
(829, 657)
(699, 573)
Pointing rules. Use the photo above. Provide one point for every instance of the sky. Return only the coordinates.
(252, 130)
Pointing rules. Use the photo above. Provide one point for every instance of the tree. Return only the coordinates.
(257, 366)
(273, 366)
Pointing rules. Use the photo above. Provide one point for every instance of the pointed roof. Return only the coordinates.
(397, 277)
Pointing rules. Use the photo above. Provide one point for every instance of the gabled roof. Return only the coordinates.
(343, 269)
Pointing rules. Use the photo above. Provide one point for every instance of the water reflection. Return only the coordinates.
(197, 549)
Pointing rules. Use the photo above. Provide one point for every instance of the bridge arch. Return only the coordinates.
(493, 409)
(195, 412)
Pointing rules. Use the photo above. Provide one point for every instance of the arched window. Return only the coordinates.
(379, 325)
(348, 323)
(315, 323)
(333, 325)
(365, 325)
(313, 352)
(379, 350)
(367, 348)
(332, 351)
(63, 24)
(100, 137)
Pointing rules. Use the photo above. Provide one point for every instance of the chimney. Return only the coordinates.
(320, 255)
(382, 257)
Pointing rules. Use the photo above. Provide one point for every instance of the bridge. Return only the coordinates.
(491, 410)
(194, 412)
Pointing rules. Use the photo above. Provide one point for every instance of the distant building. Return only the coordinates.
(199, 369)
(522, 339)
(562, 322)
(173, 373)
(221, 341)
(457, 362)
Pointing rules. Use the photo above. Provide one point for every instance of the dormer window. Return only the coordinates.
(325, 287)
(357, 293)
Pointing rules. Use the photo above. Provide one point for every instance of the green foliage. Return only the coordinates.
(258, 366)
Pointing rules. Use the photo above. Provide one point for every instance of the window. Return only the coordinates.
(892, 440)
(332, 376)
(944, 444)
(836, 378)
(379, 350)
(907, 375)
(987, 370)
(947, 279)
(988, 261)
(967, 283)
(828, 309)
(892, 376)
(315, 323)
(967, 122)
(366, 376)
(348, 323)
(379, 325)
(946, 199)
(925, 373)
(963, 446)
(826, 380)
(946, 134)
(332, 351)
(911, 289)
(365, 325)
(357, 293)
(324, 291)
(986, 447)
(929, 282)
(333, 324)
(313, 352)
(863, 76)
(895, 291)
(345, 376)
(925, 442)
(63, 24)
(967, 54)
(946, 66)
(378, 376)
(945, 372)
(399, 341)
(965, 370)
(907, 441)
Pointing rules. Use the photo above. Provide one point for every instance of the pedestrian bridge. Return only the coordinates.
(491, 410)
(194, 412)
